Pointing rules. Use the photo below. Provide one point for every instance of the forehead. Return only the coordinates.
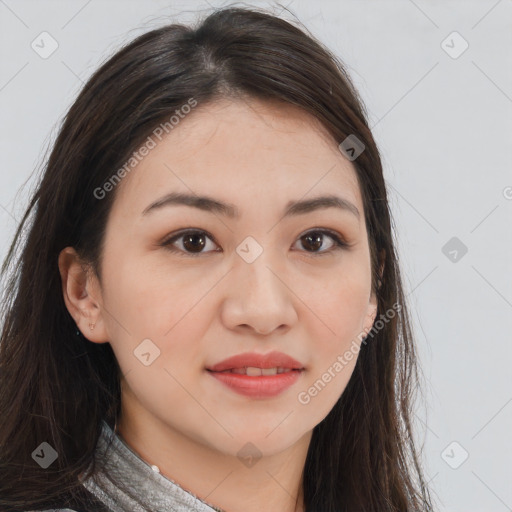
(242, 151)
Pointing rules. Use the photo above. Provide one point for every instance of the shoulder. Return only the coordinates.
(82, 501)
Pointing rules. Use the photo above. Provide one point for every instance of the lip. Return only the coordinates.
(263, 386)
(270, 360)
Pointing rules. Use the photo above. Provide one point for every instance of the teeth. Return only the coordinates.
(251, 371)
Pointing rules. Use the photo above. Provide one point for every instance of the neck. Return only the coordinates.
(227, 482)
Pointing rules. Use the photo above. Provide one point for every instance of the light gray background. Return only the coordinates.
(444, 127)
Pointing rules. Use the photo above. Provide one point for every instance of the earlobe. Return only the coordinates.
(371, 314)
(77, 283)
(382, 261)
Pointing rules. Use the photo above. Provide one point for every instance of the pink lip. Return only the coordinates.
(270, 360)
(258, 386)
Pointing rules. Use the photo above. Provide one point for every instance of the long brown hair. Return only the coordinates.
(57, 387)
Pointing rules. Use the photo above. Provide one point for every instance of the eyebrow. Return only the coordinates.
(210, 204)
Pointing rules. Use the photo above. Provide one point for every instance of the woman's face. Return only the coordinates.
(252, 282)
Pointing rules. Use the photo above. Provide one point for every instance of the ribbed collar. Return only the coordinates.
(149, 486)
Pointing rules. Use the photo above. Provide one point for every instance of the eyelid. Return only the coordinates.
(330, 232)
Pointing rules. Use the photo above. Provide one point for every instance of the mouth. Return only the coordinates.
(257, 375)
(256, 364)
(252, 371)
(258, 383)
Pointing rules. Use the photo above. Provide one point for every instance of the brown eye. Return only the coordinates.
(192, 242)
(314, 240)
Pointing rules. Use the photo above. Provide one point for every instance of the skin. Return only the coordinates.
(200, 310)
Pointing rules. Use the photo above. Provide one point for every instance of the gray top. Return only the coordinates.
(143, 482)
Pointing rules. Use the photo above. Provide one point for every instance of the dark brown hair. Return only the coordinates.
(57, 387)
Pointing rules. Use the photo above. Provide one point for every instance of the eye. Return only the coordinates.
(314, 239)
(192, 242)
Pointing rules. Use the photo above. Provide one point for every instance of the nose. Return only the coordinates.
(258, 299)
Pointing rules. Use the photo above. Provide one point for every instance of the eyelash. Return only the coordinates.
(339, 243)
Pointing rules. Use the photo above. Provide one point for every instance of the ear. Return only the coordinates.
(82, 296)
(372, 303)
(371, 313)
(382, 262)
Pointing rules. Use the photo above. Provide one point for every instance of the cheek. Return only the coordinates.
(340, 308)
(341, 303)
(335, 341)
(143, 303)
(150, 299)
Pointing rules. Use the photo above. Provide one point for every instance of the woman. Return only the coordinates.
(207, 312)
